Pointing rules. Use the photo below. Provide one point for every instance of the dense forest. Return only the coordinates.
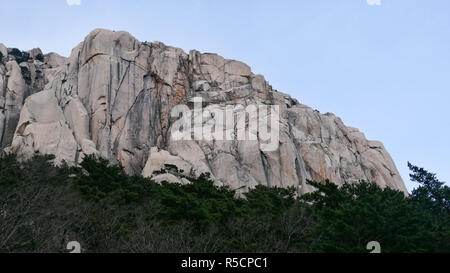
(43, 207)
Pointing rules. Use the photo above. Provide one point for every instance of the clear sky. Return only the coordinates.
(384, 69)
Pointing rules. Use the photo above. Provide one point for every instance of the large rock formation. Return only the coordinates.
(21, 74)
(113, 97)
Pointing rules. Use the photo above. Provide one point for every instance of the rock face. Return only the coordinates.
(113, 97)
(21, 75)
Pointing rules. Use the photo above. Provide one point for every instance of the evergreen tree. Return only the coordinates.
(432, 193)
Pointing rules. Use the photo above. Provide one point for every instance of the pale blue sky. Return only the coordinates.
(383, 69)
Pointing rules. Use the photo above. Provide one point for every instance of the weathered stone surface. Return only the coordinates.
(54, 60)
(13, 91)
(113, 97)
(3, 50)
(17, 82)
(36, 53)
(158, 159)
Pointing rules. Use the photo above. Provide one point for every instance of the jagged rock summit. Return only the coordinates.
(113, 97)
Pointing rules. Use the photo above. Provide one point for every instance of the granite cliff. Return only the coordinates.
(113, 98)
